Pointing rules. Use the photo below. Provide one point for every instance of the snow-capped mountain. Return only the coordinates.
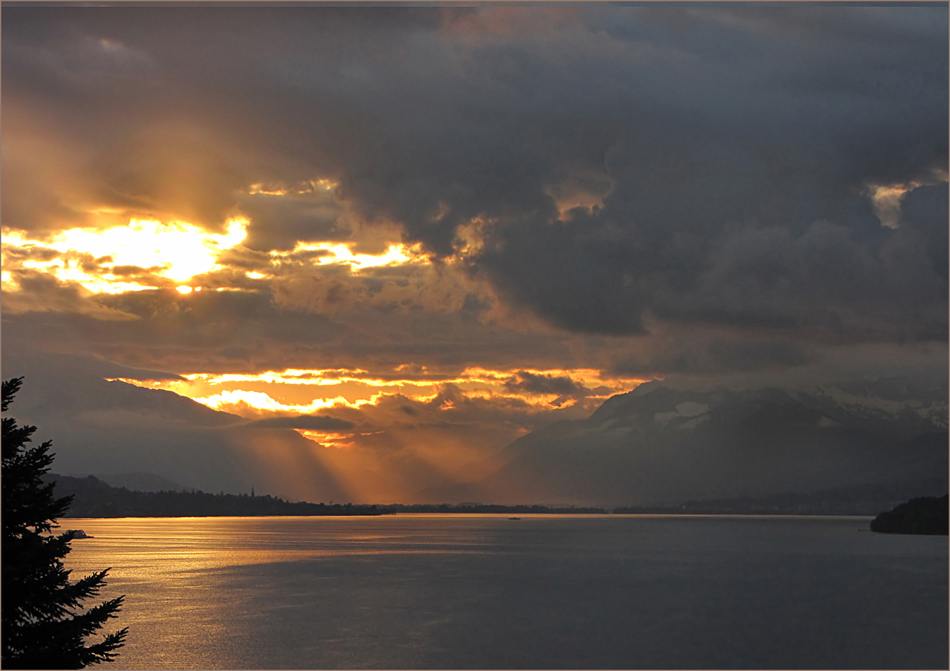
(658, 444)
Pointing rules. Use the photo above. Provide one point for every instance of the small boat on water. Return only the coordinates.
(514, 518)
(76, 533)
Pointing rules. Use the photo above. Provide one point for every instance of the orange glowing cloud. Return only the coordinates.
(95, 259)
(299, 391)
(240, 402)
(148, 254)
(307, 186)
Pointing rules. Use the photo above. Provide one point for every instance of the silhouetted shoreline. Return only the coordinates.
(94, 498)
(926, 515)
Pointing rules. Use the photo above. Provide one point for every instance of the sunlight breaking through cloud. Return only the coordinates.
(292, 390)
(233, 400)
(102, 260)
(307, 186)
(332, 253)
(149, 254)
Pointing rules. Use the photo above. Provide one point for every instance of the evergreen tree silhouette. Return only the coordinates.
(43, 626)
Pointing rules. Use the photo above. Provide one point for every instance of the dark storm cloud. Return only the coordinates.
(40, 292)
(740, 193)
(232, 331)
(724, 157)
(925, 212)
(714, 356)
(246, 332)
(544, 384)
(305, 216)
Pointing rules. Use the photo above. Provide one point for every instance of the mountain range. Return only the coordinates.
(656, 445)
(660, 445)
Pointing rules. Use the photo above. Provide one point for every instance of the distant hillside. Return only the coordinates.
(94, 498)
(654, 446)
(106, 427)
(927, 515)
(102, 427)
(663, 446)
(865, 500)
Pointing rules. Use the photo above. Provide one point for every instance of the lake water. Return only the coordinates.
(551, 592)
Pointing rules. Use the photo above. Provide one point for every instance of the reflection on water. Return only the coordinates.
(483, 591)
(140, 547)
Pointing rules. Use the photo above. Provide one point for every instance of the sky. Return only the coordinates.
(448, 226)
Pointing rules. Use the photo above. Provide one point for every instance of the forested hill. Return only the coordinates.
(94, 498)
(927, 515)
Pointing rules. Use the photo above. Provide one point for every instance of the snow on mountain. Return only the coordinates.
(658, 444)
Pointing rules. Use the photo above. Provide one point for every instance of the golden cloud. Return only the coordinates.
(99, 260)
(304, 392)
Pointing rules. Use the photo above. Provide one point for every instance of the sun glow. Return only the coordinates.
(470, 377)
(147, 254)
(327, 439)
(321, 377)
(258, 400)
(102, 260)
